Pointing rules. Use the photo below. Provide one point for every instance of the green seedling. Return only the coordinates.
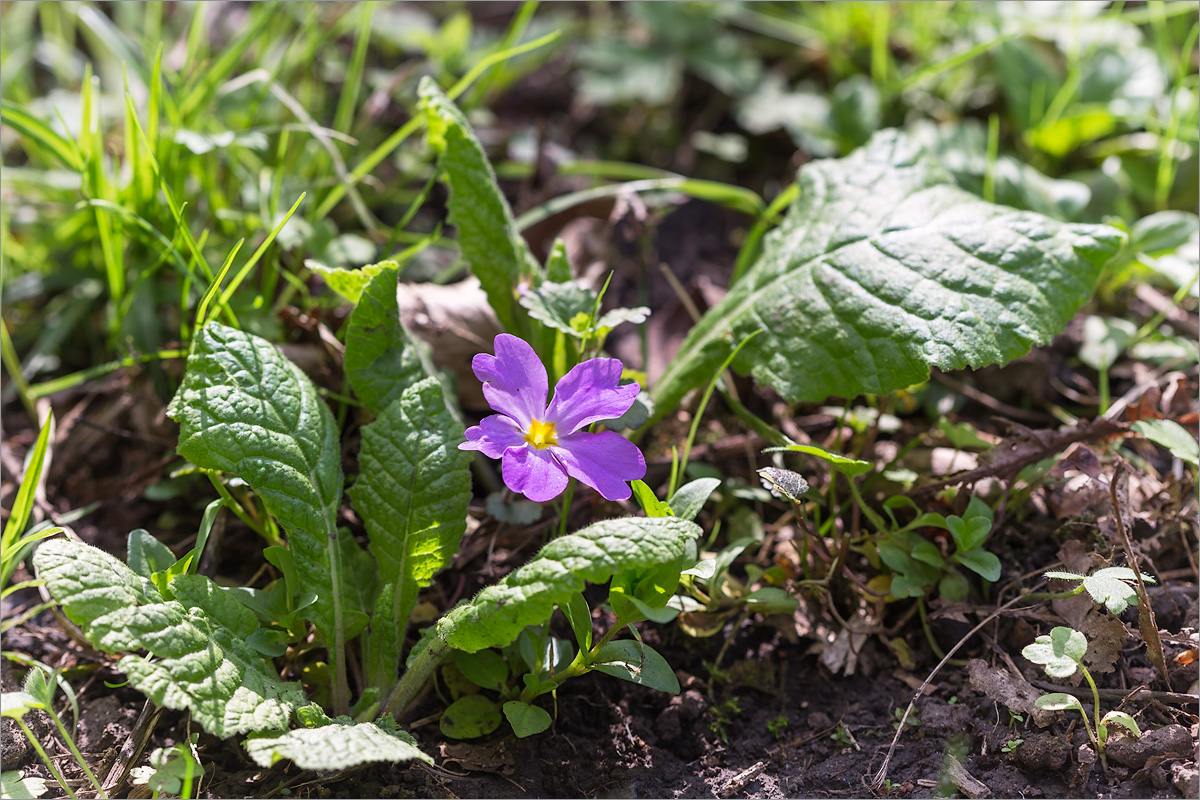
(918, 564)
(14, 784)
(172, 772)
(777, 726)
(37, 694)
(1060, 654)
(1114, 587)
(1011, 745)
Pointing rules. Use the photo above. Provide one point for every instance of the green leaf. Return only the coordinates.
(1059, 653)
(1112, 587)
(557, 304)
(691, 497)
(148, 555)
(526, 719)
(953, 587)
(771, 600)
(1171, 435)
(486, 669)
(15, 785)
(349, 283)
(580, 616)
(928, 553)
(470, 717)
(884, 269)
(849, 467)
(1058, 701)
(381, 359)
(638, 663)
(649, 501)
(246, 410)
(487, 234)
(968, 534)
(15, 705)
(1104, 339)
(982, 563)
(338, 745)
(527, 596)
(25, 123)
(413, 495)
(199, 656)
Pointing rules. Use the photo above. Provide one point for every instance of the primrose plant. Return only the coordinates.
(247, 413)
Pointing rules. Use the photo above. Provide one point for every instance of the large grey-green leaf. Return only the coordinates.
(245, 409)
(883, 269)
(338, 745)
(487, 234)
(413, 495)
(199, 659)
(381, 359)
(528, 595)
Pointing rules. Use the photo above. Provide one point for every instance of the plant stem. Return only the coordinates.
(566, 507)
(58, 776)
(421, 669)
(1095, 713)
(75, 752)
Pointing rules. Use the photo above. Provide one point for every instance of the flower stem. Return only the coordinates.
(58, 776)
(566, 507)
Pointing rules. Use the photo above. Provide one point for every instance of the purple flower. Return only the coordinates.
(540, 446)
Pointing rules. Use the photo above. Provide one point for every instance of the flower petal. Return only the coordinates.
(589, 393)
(514, 380)
(493, 435)
(604, 461)
(533, 473)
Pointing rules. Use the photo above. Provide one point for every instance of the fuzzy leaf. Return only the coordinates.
(1111, 586)
(1059, 653)
(883, 269)
(199, 661)
(412, 494)
(557, 304)
(381, 359)
(245, 409)
(528, 595)
(338, 745)
(487, 234)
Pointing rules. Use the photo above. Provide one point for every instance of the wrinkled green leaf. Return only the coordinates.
(884, 269)
(381, 359)
(338, 745)
(199, 659)
(246, 410)
(527, 596)
(487, 234)
(557, 304)
(413, 495)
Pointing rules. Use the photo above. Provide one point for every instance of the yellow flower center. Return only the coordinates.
(541, 434)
